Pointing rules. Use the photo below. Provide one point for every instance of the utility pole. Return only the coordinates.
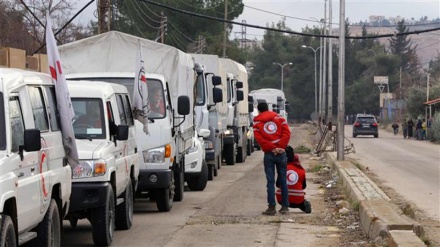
(163, 27)
(225, 26)
(341, 86)
(104, 16)
(330, 70)
(324, 65)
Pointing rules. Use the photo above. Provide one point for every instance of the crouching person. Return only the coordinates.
(296, 183)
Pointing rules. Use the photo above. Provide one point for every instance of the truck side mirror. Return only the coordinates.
(250, 107)
(239, 84)
(32, 140)
(250, 98)
(287, 107)
(183, 105)
(216, 80)
(122, 132)
(217, 95)
(240, 96)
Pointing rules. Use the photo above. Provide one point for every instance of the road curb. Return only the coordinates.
(378, 216)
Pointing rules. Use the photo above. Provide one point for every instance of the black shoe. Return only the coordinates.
(307, 207)
(284, 210)
(270, 211)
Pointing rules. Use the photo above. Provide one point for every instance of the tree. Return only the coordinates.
(401, 46)
(182, 30)
(32, 34)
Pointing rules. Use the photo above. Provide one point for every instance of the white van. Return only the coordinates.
(35, 179)
(104, 182)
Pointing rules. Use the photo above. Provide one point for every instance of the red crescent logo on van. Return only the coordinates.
(43, 184)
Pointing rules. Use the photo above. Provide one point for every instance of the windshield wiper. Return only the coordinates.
(82, 137)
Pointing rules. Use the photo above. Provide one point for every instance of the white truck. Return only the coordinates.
(237, 136)
(211, 108)
(106, 177)
(275, 99)
(35, 179)
(111, 57)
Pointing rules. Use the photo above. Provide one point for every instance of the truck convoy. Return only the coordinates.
(35, 179)
(111, 57)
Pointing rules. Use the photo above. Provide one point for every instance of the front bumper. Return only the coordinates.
(154, 179)
(88, 195)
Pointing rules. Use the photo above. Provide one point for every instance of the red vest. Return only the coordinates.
(295, 178)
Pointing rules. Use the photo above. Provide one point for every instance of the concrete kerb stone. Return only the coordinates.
(377, 215)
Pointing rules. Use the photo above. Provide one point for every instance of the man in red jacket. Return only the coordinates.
(272, 133)
(296, 183)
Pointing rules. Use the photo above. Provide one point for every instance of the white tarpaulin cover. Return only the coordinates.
(116, 52)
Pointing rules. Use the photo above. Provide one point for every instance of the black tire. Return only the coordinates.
(8, 238)
(124, 211)
(179, 181)
(211, 169)
(219, 163)
(229, 154)
(240, 156)
(164, 199)
(199, 183)
(49, 230)
(103, 221)
(376, 135)
(354, 135)
(248, 148)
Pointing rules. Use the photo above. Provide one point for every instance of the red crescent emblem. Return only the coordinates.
(43, 157)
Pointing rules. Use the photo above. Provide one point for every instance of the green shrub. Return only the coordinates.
(434, 131)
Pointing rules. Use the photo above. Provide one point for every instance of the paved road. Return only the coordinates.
(410, 167)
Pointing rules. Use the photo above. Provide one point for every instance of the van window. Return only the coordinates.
(121, 109)
(127, 108)
(89, 122)
(199, 89)
(52, 108)
(38, 108)
(17, 124)
(2, 123)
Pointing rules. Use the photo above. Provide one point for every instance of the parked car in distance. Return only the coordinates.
(365, 124)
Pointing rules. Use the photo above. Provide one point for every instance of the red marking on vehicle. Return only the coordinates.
(43, 156)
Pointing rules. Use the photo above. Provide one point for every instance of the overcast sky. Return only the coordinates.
(297, 12)
(300, 13)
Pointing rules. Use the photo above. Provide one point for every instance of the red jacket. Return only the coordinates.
(296, 182)
(271, 131)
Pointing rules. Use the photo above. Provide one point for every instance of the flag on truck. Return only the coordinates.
(64, 103)
(140, 92)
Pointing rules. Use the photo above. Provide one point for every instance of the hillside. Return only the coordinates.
(428, 44)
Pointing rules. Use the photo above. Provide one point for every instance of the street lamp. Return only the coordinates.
(282, 73)
(316, 84)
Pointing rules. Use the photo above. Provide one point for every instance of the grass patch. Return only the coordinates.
(302, 150)
(316, 168)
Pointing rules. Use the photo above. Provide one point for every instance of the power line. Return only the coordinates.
(288, 31)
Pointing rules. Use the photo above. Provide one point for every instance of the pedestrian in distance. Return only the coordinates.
(410, 128)
(405, 128)
(296, 183)
(272, 133)
(395, 127)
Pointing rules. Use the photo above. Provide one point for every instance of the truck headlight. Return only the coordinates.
(229, 132)
(155, 155)
(89, 168)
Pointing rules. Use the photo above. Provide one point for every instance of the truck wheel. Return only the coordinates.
(179, 181)
(219, 164)
(240, 156)
(164, 199)
(124, 211)
(7, 232)
(199, 183)
(248, 148)
(211, 169)
(49, 230)
(229, 154)
(103, 221)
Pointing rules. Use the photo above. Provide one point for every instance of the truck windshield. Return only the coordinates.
(2, 123)
(128, 82)
(89, 122)
(200, 90)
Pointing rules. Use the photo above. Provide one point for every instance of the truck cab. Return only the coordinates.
(106, 178)
(35, 178)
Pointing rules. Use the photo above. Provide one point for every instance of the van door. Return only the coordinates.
(121, 149)
(28, 186)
